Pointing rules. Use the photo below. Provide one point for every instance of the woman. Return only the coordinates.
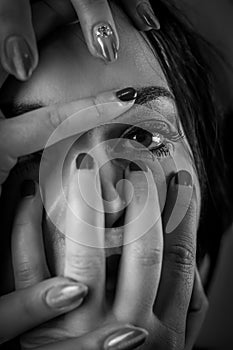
(119, 75)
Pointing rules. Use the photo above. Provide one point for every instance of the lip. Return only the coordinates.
(113, 237)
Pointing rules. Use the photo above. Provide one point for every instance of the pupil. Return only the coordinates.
(144, 138)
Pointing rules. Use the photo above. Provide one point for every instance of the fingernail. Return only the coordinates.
(127, 94)
(147, 15)
(183, 178)
(105, 41)
(18, 57)
(138, 166)
(28, 189)
(126, 339)
(84, 161)
(63, 296)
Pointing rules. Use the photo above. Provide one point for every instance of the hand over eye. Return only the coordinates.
(30, 132)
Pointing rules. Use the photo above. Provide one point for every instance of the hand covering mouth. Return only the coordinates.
(55, 252)
(54, 241)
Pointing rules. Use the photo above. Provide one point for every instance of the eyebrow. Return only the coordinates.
(145, 95)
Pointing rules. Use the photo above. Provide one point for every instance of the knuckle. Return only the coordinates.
(25, 271)
(181, 256)
(146, 255)
(89, 267)
(54, 117)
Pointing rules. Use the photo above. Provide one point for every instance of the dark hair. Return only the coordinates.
(180, 52)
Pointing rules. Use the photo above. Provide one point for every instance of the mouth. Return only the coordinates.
(55, 241)
(114, 237)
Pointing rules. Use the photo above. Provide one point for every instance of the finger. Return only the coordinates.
(142, 14)
(179, 254)
(84, 230)
(196, 313)
(46, 17)
(143, 249)
(28, 256)
(37, 304)
(113, 336)
(18, 50)
(98, 28)
(35, 128)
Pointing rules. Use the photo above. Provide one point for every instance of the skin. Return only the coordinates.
(21, 23)
(54, 81)
(67, 72)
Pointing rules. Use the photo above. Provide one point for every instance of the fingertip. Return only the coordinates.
(28, 189)
(147, 16)
(179, 197)
(183, 178)
(64, 294)
(30, 206)
(19, 58)
(180, 181)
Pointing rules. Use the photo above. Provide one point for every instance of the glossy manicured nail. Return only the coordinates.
(18, 57)
(64, 296)
(84, 161)
(105, 41)
(127, 94)
(183, 178)
(147, 15)
(137, 166)
(28, 189)
(126, 339)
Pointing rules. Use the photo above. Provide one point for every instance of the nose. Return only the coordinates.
(111, 176)
(111, 173)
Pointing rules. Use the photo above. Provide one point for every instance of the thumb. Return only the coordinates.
(37, 304)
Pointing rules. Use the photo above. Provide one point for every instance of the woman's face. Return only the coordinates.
(68, 72)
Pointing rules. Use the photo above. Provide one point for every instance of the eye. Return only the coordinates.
(145, 138)
(140, 139)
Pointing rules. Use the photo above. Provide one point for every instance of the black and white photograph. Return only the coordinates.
(116, 174)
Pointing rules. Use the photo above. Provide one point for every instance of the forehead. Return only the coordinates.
(67, 71)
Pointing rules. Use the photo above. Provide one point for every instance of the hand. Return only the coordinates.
(109, 337)
(39, 299)
(19, 55)
(181, 317)
(30, 132)
(144, 297)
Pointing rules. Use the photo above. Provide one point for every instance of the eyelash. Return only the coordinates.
(167, 131)
(161, 150)
(157, 129)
